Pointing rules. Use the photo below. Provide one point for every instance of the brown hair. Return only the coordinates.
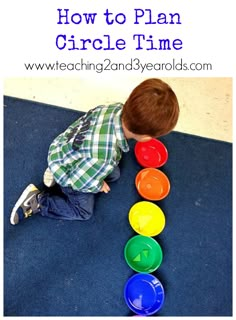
(151, 109)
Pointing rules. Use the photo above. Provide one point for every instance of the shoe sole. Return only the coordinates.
(20, 201)
(48, 178)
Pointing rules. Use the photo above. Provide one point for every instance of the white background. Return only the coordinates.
(29, 30)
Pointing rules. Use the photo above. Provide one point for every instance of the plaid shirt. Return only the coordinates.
(88, 150)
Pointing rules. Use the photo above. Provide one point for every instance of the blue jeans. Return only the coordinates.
(71, 204)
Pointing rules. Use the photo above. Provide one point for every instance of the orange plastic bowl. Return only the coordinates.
(151, 154)
(152, 184)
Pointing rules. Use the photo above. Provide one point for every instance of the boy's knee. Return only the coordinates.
(86, 215)
(85, 206)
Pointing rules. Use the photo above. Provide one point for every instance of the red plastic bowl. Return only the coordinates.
(151, 154)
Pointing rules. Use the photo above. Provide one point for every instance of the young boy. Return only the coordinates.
(84, 159)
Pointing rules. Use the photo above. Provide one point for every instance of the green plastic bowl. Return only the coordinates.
(143, 254)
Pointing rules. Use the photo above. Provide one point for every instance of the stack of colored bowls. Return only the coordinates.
(143, 292)
(151, 183)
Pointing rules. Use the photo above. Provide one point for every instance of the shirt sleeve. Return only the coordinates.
(88, 175)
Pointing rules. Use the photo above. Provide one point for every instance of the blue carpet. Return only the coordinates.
(66, 268)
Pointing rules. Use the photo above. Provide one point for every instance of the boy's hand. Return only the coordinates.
(105, 187)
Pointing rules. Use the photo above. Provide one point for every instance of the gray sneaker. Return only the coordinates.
(26, 205)
(48, 178)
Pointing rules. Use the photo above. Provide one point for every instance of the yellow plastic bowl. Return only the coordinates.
(146, 218)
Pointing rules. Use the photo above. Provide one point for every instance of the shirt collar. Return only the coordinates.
(122, 142)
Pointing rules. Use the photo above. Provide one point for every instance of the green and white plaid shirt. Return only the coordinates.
(88, 150)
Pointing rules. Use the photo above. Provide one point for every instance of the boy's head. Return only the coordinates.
(152, 109)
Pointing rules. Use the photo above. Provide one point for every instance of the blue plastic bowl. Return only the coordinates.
(144, 294)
